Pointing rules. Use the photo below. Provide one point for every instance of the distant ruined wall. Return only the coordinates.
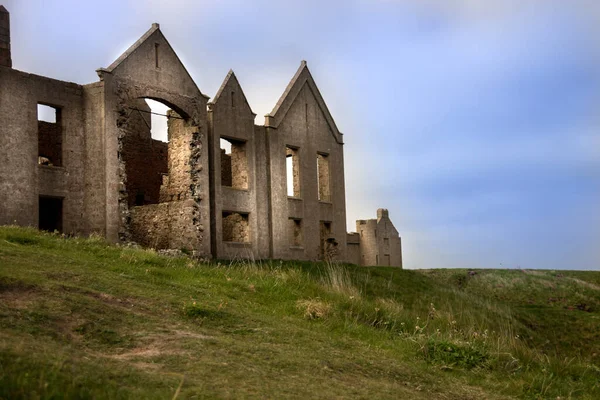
(380, 243)
(353, 248)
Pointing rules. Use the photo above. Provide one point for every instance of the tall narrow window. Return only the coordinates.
(234, 164)
(49, 136)
(292, 167)
(156, 45)
(323, 177)
(295, 232)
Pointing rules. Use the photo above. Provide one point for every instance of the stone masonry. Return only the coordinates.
(277, 193)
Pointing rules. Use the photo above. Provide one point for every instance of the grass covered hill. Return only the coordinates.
(80, 318)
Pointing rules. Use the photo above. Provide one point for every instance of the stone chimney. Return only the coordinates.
(5, 57)
(381, 213)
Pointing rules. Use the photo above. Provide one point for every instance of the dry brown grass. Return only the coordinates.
(314, 308)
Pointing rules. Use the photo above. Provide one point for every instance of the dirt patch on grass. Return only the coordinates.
(164, 344)
(8, 285)
(17, 294)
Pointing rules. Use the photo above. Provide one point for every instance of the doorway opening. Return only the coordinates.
(51, 213)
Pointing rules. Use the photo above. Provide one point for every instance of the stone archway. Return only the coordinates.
(160, 183)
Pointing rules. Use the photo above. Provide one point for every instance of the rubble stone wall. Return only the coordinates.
(172, 225)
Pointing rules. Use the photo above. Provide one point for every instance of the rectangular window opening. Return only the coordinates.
(292, 170)
(234, 164)
(236, 227)
(323, 177)
(295, 231)
(49, 135)
(51, 213)
(325, 239)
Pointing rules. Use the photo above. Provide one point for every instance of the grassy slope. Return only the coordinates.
(82, 319)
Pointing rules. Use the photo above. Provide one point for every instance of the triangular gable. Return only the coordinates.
(231, 84)
(154, 34)
(301, 78)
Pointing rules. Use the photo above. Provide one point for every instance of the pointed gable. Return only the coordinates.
(302, 78)
(229, 86)
(151, 60)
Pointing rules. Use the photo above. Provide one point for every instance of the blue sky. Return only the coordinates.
(476, 123)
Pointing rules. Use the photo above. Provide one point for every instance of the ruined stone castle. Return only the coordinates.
(275, 191)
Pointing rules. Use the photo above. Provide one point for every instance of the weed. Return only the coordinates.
(453, 354)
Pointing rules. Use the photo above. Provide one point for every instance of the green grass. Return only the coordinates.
(80, 318)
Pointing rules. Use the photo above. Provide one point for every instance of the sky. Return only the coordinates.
(475, 123)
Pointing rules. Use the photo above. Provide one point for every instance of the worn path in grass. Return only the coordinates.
(83, 319)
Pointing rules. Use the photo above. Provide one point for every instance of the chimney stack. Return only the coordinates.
(382, 213)
(5, 57)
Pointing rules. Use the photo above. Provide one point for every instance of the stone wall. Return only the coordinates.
(353, 248)
(235, 180)
(22, 179)
(94, 159)
(300, 127)
(172, 225)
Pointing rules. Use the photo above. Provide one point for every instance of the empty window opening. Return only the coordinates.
(295, 232)
(386, 242)
(234, 164)
(232, 99)
(292, 170)
(49, 135)
(236, 227)
(323, 177)
(157, 119)
(50, 213)
(325, 238)
(145, 152)
(386, 260)
(46, 113)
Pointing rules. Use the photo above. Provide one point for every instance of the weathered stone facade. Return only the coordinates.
(97, 169)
